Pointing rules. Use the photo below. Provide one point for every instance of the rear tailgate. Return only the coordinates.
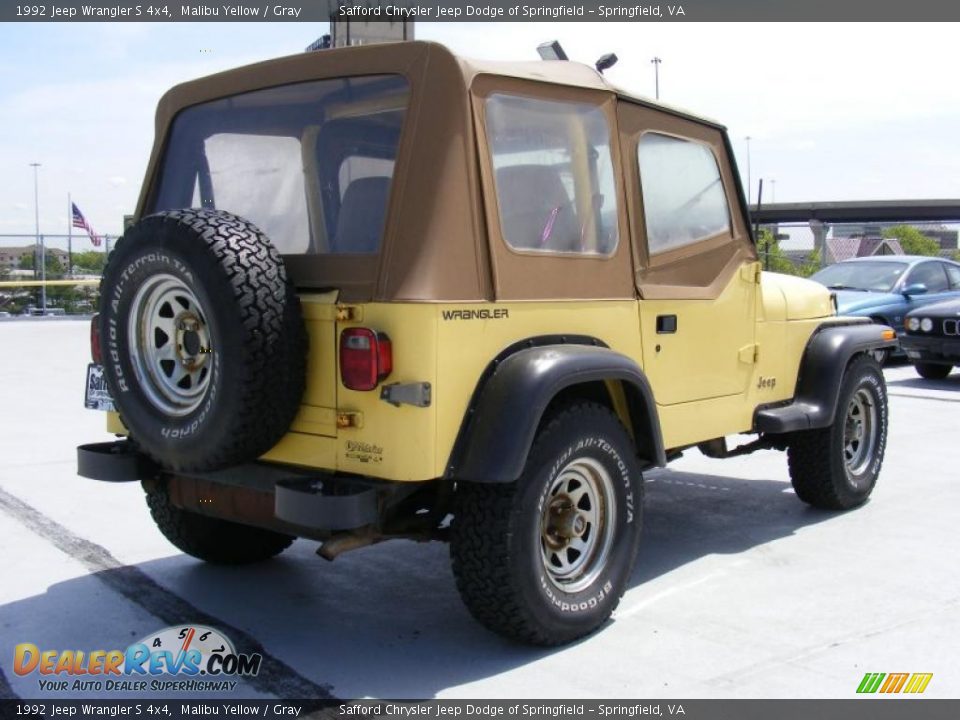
(312, 436)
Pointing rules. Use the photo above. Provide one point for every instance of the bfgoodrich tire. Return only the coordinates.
(836, 468)
(202, 340)
(545, 560)
(211, 539)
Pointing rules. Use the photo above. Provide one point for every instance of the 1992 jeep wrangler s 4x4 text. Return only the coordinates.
(384, 292)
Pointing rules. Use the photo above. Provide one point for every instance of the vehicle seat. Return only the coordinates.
(535, 209)
(363, 212)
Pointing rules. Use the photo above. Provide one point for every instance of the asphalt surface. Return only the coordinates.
(740, 590)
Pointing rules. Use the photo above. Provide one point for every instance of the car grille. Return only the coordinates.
(951, 327)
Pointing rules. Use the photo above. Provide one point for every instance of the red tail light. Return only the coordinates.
(366, 358)
(95, 339)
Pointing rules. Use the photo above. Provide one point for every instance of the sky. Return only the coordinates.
(834, 111)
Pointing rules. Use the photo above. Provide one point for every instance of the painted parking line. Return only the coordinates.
(275, 677)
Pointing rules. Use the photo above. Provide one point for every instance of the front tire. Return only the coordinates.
(211, 539)
(546, 559)
(932, 371)
(836, 467)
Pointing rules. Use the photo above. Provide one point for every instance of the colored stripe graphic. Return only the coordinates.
(895, 682)
(870, 682)
(918, 683)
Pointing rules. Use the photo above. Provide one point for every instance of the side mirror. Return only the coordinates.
(915, 289)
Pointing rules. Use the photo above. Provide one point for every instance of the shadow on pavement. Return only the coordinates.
(691, 515)
(386, 621)
(952, 382)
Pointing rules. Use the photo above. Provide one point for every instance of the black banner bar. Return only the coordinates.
(479, 11)
(867, 708)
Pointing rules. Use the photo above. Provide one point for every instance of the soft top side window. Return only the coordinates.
(683, 196)
(553, 172)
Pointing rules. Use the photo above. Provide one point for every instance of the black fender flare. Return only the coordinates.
(500, 426)
(825, 360)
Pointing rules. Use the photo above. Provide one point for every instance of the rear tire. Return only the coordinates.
(545, 560)
(932, 371)
(836, 467)
(211, 539)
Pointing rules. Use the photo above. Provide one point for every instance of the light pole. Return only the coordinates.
(43, 253)
(749, 182)
(656, 75)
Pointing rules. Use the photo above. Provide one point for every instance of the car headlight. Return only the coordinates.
(913, 324)
(926, 324)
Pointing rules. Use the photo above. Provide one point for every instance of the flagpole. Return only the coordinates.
(69, 236)
(40, 242)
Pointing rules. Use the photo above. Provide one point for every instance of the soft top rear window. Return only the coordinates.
(311, 164)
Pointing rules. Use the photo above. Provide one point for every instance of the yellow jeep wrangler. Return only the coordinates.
(384, 292)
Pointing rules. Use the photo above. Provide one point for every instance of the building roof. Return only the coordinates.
(19, 250)
(845, 248)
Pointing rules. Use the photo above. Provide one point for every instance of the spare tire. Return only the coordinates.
(202, 339)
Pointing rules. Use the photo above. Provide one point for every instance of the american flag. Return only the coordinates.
(79, 221)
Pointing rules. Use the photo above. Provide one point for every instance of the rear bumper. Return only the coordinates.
(931, 349)
(262, 494)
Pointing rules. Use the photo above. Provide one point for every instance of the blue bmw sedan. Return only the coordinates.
(887, 287)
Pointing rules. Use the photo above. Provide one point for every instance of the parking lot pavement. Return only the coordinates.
(739, 591)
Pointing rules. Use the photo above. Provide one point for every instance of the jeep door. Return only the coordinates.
(696, 267)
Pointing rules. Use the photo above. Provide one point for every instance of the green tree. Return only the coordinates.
(912, 240)
(54, 267)
(91, 261)
(772, 256)
(811, 264)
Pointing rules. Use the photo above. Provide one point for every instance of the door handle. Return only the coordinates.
(666, 324)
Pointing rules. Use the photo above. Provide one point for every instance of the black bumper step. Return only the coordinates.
(113, 462)
(328, 504)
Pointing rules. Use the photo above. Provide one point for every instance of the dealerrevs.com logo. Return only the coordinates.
(187, 658)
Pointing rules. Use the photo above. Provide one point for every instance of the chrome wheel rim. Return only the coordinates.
(576, 525)
(859, 433)
(170, 346)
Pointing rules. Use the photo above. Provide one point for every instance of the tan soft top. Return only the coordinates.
(435, 243)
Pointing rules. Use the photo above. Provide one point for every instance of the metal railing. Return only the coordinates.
(70, 283)
(796, 248)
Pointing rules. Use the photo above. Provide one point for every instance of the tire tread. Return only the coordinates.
(810, 453)
(273, 354)
(481, 544)
(212, 539)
